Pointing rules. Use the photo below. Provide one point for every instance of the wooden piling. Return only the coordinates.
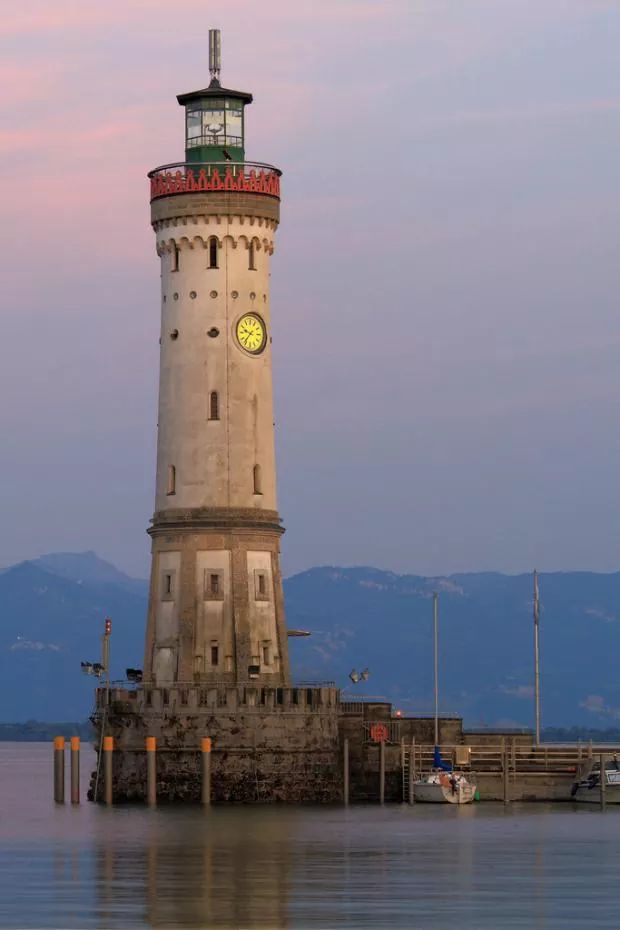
(345, 771)
(382, 772)
(108, 751)
(75, 769)
(59, 769)
(151, 771)
(206, 770)
(603, 781)
(412, 771)
(505, 774)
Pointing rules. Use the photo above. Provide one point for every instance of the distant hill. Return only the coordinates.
(52, 611)
(49, 622)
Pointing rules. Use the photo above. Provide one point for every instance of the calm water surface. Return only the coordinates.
(527, 866)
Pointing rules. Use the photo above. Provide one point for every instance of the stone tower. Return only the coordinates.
(216, 611)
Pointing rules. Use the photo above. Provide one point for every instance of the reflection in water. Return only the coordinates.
(476, 867)
(221, 868)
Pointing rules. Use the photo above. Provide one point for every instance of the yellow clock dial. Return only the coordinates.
(251, 333)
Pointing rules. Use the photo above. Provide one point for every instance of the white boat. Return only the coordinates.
(587, 788)
(444, 788)
(441, 785)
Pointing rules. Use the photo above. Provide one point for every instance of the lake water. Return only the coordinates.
(479, 866)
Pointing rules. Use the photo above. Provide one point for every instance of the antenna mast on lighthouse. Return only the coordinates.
(215, 54)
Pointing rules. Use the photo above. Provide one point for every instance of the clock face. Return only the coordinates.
(252, 333)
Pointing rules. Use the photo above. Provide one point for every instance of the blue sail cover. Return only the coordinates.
(438, 762)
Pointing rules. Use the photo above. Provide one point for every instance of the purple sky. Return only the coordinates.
(444, 292)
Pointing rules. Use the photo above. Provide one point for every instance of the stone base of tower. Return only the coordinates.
(269, 744)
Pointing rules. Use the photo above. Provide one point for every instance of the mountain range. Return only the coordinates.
(52, 611)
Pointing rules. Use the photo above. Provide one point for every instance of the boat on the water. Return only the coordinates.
(587, 787)
(444, 788)
(442, 785)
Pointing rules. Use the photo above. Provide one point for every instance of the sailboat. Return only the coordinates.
(442, 785)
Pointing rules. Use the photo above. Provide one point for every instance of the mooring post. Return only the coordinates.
(59, 769)
(75, 769)
(151, 771)
(345, 771)
(505, 773)
(108, 751)
(206, 770)
(412, 771)
(603, 781)
(382, 772)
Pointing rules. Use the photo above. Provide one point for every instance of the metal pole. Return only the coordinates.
(436, 643)
(505, 773)
(382, 772)
(536, 658)
(603, 781)
(412, 771)
(206, 770)
(345, 764)
(151, 771)
(108, 750)
(59, 769)
(75, 769)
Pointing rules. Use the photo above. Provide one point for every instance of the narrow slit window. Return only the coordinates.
(215, 655)
(252, 257)
(262, 584)
(258, 487)
(213, 245)
(172, 480)
(175, 258)
(267, 654)
(167, 583)
(214, 584)
(214, 406)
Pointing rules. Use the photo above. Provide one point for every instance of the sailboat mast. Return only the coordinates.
(536, 658)
(436, 639)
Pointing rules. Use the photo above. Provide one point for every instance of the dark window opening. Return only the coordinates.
(175, 258)
(214, 584)
(262, 585)
(252, 257)
(215, 655)
(172, 480)
(258, 489)
(213, 245)
(214, 406)
(167, 584)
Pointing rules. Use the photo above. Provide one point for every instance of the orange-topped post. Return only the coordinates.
(108, 751)
(206, 770)
(59, 769)
(75, 769)
(151, 771)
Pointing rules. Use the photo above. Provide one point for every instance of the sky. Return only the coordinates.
(444, 289)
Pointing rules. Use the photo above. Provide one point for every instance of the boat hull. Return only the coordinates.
(437, 793)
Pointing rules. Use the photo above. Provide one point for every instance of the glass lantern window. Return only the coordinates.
(215, 123)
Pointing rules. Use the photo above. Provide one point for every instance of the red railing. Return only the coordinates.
(186, 178)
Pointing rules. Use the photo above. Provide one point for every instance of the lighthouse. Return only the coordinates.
(216, 610)
(216, 668)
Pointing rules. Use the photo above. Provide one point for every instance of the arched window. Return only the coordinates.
(252, 257)
(175, 258)
(172, 480)
(214, 406)
(213, 246)
(258, 488)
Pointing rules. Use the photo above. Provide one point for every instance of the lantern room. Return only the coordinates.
(214, 116)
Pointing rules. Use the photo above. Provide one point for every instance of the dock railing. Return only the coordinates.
(546, 759)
